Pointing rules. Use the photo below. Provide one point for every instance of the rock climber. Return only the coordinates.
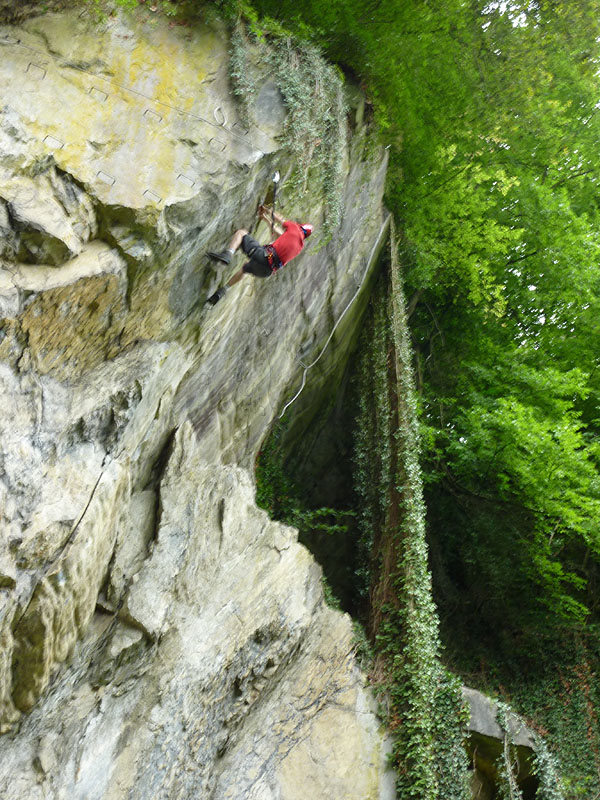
(264, 260)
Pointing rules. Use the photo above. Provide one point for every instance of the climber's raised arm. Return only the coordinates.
(269, 215)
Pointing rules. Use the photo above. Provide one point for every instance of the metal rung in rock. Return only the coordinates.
(98, 94)
(35, 71)
(152, 195)
(187, 181)
(106, 178)
(53, 142)
(240, 129)
(217, 144)
(152, 115)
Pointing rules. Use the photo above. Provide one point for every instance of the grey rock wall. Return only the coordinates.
(488, 743)
(159, 636)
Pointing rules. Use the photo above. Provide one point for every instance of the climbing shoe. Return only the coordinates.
(214, 298)
(222, 255)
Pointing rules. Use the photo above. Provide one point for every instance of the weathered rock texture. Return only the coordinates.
(488, 741)
(159, 636)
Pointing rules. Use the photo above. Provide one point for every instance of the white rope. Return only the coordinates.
(355, 295)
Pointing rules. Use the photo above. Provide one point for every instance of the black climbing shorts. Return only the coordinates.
(259, 263)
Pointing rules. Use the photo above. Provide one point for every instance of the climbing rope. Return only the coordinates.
(382, 232)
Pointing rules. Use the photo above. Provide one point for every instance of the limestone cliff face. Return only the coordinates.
(160, 637)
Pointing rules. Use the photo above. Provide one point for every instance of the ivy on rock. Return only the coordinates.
(314, 129)
(424, 704)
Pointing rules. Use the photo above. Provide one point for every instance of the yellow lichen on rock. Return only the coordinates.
(132, 96)
(150, 316)
(76, 327)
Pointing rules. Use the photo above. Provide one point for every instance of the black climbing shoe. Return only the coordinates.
(214, 298)
(223, 255)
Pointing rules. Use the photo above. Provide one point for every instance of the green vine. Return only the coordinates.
(240, 71)
(449, 727)
(313, 93)
(508, 762)
(425, 710)
(102, 9)
(372, 435)
(284, 501)
(547, 769)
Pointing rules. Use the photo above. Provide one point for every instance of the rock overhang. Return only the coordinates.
(115, 378)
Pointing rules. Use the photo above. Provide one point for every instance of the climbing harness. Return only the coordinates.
(272, 258)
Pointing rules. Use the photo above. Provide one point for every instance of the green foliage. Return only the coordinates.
(239, 72)
(279, 495)
(508, 763)
(102, 9)
(363, 649)
(373, 434)
(547, 770)
(562, 705)
(424, 702)
(528, 448)
(546, 767)
(451, 717)
(282, 499)
(312, 90)
(330, 597)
